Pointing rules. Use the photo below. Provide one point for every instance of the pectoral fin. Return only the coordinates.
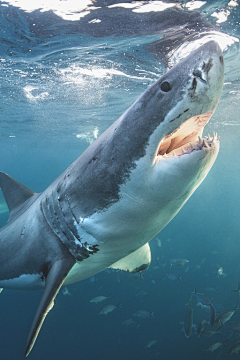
(54, 281)
(136, 261)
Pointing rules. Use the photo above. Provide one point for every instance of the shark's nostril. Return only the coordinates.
(199, 74)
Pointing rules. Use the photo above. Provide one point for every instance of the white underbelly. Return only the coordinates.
(86, 268)
(109, 252)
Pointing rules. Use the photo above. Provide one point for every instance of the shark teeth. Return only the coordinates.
(207, 143)
(187, 138)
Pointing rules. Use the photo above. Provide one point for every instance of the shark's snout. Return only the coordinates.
(195, 96)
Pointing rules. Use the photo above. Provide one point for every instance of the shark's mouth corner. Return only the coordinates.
(187, 138)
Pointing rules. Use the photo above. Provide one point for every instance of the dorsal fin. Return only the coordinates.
(14, 193)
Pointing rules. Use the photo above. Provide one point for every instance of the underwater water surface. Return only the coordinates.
(68, 70)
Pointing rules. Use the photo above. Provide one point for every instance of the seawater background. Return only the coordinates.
(63, 81)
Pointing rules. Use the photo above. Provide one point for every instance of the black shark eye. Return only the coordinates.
(165, 86)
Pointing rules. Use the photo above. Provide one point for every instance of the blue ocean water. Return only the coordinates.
(67, 71)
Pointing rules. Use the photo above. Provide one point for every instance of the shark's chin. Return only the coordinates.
(188, 138)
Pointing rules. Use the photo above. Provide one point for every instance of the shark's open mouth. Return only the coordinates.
(187, 138)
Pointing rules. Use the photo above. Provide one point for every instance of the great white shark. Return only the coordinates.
(107, 205)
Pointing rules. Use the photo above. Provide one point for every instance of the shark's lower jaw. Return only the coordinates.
(187, 138)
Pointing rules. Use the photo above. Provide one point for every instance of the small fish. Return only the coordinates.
(202, 300)
(220, 272)
(99, 299)
(143, 314)
(235, 348)
(222, 319)
(151, 343)
(108, 309)
(65, 291)
(213, 252)
(196, 267)
(209, 333)
(188, 321)
(178, 262)
(129, 322)
(214, 347)
(92, 279)
(200, 327)
(159, 243)
(234, 326)
(1, 289)
(173, 276)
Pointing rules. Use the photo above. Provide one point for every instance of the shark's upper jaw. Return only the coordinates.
(187, 138)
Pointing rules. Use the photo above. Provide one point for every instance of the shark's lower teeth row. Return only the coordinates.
(206, 142)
